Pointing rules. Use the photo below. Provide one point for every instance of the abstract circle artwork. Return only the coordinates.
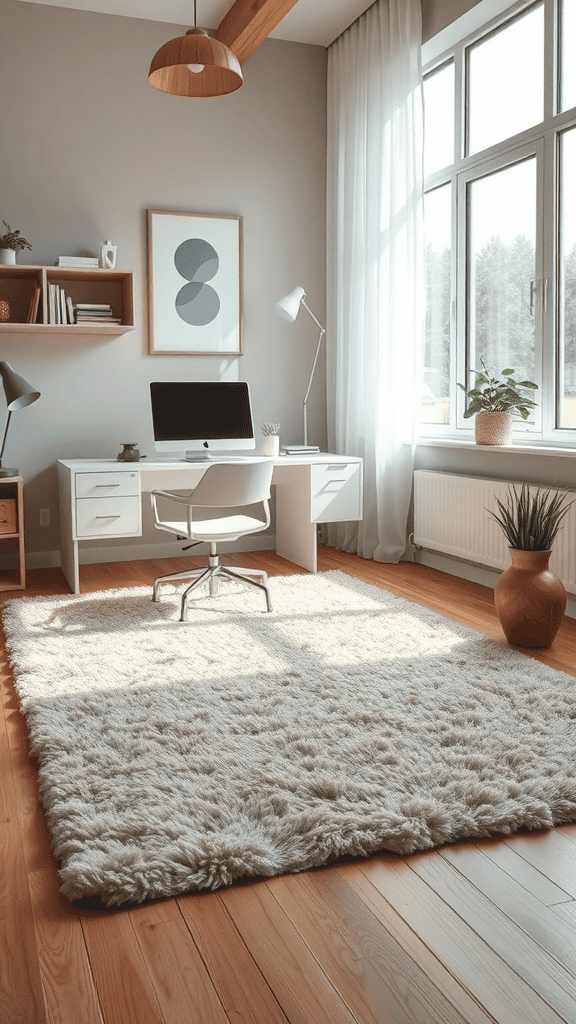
(197, 303)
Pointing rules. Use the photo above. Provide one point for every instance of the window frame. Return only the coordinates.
(543, 138)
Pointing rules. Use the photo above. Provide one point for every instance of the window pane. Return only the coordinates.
(568, 277)
(506, 81)
(439, 118)
(501, 268)
(568, 63)
(435, 406)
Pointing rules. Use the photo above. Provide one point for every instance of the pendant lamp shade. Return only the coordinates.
(289, 306)
(195, 64)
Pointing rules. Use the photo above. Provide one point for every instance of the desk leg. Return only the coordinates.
(69, 563)
(295, 534)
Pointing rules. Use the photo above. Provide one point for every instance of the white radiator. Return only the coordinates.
(450, 516)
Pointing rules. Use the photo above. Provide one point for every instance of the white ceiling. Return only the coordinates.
(309, 21)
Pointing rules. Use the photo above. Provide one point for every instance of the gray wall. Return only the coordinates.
(87, 147)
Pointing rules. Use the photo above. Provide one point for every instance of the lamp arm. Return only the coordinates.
(322, 333)
(5, 435)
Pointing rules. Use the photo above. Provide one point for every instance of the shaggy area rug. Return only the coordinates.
(181, 756)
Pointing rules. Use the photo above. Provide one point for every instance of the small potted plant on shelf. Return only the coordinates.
(494, 401)
(530, 600)
(271, 440)
(11, 242)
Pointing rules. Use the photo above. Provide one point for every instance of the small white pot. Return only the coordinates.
(493, 428)
(8, 256)
(270, 444)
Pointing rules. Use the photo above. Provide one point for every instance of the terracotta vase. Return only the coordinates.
(530, 599)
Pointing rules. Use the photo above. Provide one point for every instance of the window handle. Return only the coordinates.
(545, 294)
(532, 294)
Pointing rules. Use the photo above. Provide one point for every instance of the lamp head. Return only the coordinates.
(195, 65)
(289, 306)
(19, 393)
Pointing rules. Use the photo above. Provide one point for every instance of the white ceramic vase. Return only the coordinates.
(270, 444)
(7, 256)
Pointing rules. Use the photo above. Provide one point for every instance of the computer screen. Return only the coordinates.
(201, 416)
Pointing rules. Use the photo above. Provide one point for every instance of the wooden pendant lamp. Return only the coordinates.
(195, 65)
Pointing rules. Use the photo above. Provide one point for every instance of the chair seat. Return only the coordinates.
(226, 528)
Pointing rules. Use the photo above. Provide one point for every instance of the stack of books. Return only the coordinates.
(60, 307)
(299, 449)
(95, 313)
(77, 261)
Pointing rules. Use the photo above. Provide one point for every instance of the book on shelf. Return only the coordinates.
(98, 319)
(94, 307)
(70, 309)
(77, 261)
(63, 307)
(33, 307)
(299, 449)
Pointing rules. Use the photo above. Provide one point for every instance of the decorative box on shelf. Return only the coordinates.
(8, 516)
(30, 292)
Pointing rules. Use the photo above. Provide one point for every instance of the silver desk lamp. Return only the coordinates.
(19, 393)
(289, 307)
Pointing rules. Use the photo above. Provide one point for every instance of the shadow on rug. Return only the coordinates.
(181, 756)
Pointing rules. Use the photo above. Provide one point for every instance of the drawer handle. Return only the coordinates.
(339, 480)
(107, 517)
(107, 485)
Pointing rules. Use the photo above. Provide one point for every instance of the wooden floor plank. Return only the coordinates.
(551, 853)
(373, 973)
(406, 936)
(492, 982)
(21, 995)
(525, 956)
(124, 989)
(242, 989)
(536, 883)
(66, 975)
(510, 898)
(179, 977)
(300, 985)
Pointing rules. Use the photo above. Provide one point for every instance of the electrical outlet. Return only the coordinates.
(44, 517)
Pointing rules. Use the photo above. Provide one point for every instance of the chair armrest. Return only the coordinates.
(179, 498)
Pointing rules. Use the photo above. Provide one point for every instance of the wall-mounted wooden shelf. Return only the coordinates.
(84, 284)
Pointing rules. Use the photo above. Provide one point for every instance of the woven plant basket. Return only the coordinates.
(493, 428)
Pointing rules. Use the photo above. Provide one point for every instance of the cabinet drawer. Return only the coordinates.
(101, 485)
(108, 517)
(336, 492)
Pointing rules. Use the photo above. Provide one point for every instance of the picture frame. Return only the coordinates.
(195, 283)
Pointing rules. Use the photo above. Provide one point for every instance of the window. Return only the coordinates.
(500, 217)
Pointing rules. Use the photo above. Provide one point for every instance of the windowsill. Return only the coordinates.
(513, 449)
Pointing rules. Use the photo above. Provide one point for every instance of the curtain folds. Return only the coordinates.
(375, 272)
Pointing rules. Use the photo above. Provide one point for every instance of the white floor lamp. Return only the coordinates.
(289, 307)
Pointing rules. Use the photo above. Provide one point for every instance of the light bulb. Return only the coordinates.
(196, 68)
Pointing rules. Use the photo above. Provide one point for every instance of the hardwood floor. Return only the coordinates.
(471, 933)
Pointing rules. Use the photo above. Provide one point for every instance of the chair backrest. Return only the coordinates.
(230, 484)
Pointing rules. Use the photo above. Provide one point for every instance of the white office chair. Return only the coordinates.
(223, 486)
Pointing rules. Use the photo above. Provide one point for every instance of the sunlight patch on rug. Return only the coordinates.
(181, 756)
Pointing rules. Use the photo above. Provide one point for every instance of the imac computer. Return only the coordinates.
(201, 418)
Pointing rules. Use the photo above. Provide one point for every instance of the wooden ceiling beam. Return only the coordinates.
(249, 22)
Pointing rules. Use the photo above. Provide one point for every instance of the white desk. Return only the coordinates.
(102, 498)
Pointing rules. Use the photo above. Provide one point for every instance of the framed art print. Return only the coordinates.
(194, 284)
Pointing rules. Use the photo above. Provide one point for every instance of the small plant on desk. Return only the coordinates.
(270, 429)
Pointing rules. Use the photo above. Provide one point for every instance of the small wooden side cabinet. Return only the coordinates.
(12, 576)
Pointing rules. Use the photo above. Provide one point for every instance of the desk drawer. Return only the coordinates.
(102, 485)
(108, 517)
(336, 492)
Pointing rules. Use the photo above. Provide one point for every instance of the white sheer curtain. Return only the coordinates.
(375, 272)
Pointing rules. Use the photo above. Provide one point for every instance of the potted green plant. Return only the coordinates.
(11, 242)
(271, 440)
(530, 600)
(494, 401)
